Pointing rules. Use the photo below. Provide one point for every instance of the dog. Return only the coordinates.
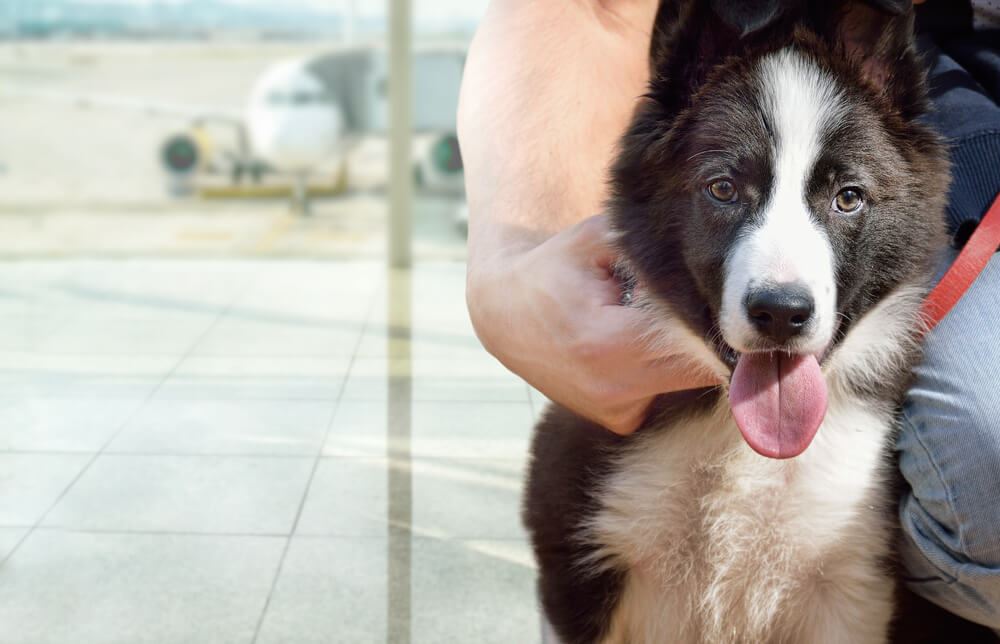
(779, 205)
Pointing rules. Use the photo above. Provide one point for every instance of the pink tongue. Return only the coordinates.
(778, 402)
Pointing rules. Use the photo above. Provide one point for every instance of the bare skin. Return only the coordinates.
(549, 88)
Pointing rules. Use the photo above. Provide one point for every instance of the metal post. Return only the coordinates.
(400, 133)
(399, 455)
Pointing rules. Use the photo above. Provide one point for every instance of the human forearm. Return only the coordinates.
(548, 89)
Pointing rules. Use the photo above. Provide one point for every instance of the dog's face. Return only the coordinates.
(759, 184)
(774, 189)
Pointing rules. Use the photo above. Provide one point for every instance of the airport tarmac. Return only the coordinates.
(54, 152)
(89, 182)
(351, 227)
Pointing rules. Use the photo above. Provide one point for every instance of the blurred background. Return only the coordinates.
(124, 116)
(241, 399)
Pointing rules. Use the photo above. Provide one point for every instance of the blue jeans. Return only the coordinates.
(950, 454)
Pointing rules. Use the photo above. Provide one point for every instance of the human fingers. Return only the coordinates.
(593, 240)
(657, 366)
(627, 419)
(677, 373)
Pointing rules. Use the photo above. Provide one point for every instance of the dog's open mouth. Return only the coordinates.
(778, 401)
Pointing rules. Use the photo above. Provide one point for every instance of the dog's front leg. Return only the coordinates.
(847, 615)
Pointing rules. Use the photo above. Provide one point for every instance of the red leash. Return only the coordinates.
(983, 243)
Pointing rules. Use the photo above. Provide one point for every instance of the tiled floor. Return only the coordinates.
(256, 451)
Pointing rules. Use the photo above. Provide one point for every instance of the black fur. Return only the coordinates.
(578, 605)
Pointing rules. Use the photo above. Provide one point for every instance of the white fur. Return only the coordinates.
(666, 335)
(787, 248)
(871, 352)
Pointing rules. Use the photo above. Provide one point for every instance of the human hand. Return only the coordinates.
(553, 316)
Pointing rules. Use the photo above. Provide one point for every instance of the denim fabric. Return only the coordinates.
(967, 115)
(950, 455)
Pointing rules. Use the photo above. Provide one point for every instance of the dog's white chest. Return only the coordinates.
(722, 544)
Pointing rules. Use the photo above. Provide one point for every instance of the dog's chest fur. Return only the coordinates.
(722, 545)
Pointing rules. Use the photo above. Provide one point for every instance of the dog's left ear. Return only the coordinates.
(877, 36)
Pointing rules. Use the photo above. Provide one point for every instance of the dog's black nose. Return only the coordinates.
(780, 313)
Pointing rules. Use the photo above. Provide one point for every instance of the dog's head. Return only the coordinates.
(775, 185)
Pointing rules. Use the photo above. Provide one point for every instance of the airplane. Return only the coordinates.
(302, 113)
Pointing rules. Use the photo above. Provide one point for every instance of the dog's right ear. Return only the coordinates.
(877, 36)
(689, 39)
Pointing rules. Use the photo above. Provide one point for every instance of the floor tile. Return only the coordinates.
(471, 499)
(62, 424)
(478, 379)
(339, 306)
(256, 377)
(351, 590)
(505, 388)
(410, 529)
(9, 538)
(331, 591)
(431, 343)
(150, 289)
(62, 587)
(433, 429)
(359, 429)
(204, 494)
(473, 591)
(27, 331)
(169, 334)
(467, 499)
(347, 497)
(491, 430)
(82, 376)
(281, 336)
(239, 427)
(368, 378)
(313, 288)
(31, 483)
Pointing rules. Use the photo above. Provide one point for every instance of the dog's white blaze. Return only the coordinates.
(800, 101)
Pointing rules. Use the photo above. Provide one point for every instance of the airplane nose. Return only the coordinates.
(780, 313)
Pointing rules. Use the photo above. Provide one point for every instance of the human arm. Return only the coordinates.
(549, 87)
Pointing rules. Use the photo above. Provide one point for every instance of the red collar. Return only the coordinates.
(976, 253)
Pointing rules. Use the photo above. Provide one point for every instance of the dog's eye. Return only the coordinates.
(722, 190)
(848, 201)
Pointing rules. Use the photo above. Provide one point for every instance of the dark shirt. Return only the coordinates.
(964, 78)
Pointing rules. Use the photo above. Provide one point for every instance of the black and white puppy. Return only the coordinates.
(780, 206)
